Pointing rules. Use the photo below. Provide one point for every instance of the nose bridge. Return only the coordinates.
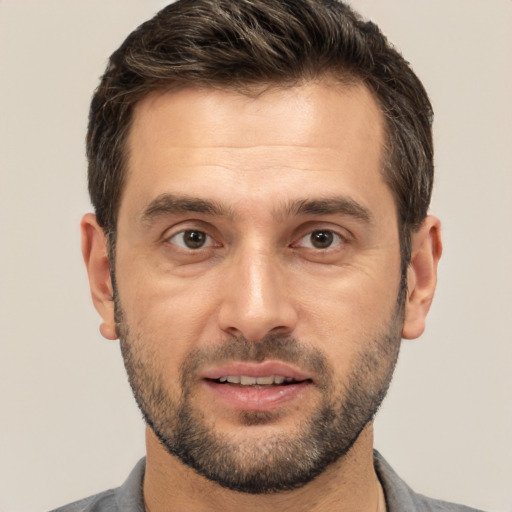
(257, 300)
(262, 281)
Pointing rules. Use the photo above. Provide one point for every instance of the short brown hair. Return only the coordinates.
(240, 43)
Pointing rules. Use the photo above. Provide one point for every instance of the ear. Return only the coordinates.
(426, 249)
(95, 253)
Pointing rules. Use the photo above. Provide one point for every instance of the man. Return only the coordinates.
(261, 172)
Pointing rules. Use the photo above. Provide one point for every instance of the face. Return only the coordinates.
(258, 269)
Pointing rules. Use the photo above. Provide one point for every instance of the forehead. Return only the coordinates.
(319, 112)
(221, 142)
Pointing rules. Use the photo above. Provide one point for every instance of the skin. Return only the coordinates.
(259, 273)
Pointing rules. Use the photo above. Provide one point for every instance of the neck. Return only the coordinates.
(349, 485)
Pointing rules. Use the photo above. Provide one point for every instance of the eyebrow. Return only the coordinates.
(171, 204)
(330, 206)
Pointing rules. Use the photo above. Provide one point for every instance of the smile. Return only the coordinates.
(245, 380)
(256, 386)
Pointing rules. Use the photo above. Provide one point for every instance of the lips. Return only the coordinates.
(245, 380)
(263, 370)
(256, 386)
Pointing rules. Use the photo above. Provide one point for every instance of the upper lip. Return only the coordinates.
(251, 369)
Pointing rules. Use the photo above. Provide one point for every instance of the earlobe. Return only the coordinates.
(95, 254)
(426, 251)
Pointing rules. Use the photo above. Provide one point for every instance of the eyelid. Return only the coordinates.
(338, 240)
(186, 225)
(210, 242)
(191, 225)
(343, 234)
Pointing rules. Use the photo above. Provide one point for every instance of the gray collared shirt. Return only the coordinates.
(399, 496)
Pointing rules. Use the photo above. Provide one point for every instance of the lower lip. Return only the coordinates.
(251, 398)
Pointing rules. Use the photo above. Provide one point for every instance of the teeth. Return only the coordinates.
(265, 381)
(244, 380)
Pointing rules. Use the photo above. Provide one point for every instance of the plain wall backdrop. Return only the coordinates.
(68, 424)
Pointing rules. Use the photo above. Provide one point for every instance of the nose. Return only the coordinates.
(257, 298)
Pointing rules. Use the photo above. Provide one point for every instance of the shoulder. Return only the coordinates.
(102, 502)
(127, 498)
(428, 504)
(400, 497)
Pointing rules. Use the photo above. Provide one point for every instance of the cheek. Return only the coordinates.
(169, 315)
(351, 300)
(346, 314)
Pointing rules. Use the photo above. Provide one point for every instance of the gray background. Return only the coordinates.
(68, 424)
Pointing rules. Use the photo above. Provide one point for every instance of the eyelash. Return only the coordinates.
(333, 238)
(191, 232)
(330, 237)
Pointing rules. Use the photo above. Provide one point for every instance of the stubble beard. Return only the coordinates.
(276, 462)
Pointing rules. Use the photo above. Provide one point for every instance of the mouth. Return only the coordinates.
(256, 386)
(260, 382)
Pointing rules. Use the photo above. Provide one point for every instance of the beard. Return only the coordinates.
(273, 462)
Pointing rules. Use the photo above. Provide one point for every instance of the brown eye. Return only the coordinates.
(322, 239)
(191, 239)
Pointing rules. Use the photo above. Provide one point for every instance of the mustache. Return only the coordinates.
(284, 348)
